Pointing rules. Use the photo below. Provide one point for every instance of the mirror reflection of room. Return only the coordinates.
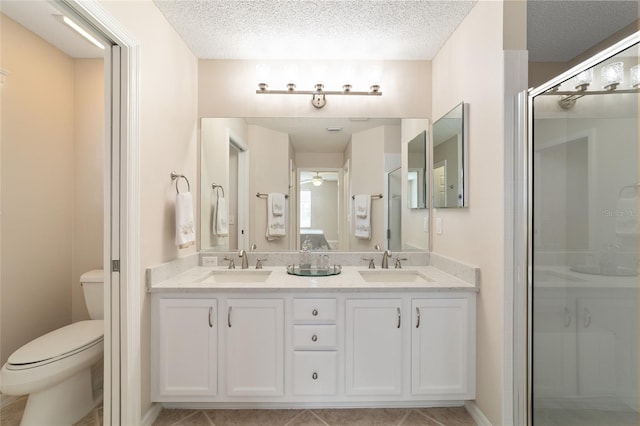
(319, 218)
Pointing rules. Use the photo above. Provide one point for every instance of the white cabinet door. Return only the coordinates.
(373, 346)
(442, 356)
(187, 348)
(255, 347)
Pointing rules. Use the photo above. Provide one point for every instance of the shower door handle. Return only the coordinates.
(587, 318)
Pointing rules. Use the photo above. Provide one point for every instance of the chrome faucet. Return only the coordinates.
(399, 262)
(385, 259)
(370, 260)
(245, 259)
(232, 262)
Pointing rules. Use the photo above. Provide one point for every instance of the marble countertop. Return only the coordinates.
(201, 278)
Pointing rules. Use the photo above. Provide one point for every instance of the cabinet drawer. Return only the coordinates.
(315, 372)
(314, 310)
(314, 336)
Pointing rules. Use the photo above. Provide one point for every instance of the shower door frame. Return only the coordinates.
(526, 192)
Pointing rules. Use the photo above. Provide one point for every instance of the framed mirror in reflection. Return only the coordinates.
(321, 165)
(449, 174)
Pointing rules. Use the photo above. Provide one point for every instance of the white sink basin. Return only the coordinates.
(394, 276)
(237, 276)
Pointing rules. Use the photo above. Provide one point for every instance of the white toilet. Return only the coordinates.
(55, 369)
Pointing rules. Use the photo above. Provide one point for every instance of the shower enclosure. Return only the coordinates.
(583, 243)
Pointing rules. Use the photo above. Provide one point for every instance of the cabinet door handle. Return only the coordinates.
(587, 318)
(418, 317)
(314, 338)
(229, 316)
(398, 310)
(210, 317)
(314, 376)
(567, 317)
(314, 312)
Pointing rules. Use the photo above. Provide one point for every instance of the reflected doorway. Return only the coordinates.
(319, 195)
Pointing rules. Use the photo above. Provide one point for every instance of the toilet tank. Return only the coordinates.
(92, 283)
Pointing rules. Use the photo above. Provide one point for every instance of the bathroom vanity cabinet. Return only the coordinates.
(294, 348)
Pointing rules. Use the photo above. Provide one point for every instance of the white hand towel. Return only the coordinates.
(363, 221)
(221, 218)
(185, 229)
(275, 224)
(277, 204)
(362, 203)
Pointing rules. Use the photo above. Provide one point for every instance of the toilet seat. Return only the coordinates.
(58, 344)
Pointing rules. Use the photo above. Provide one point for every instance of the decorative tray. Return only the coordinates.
(313, 271)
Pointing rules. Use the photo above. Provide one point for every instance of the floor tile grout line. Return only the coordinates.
(407, 414)
(295, 417)
(430, 418)
(318, 417)
(184, 418)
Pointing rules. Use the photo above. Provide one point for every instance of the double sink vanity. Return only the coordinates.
(249, 338)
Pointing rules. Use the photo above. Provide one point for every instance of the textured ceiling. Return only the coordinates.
(559, 30)
(348, 29)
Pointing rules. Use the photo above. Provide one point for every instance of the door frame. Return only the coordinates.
(123, 291)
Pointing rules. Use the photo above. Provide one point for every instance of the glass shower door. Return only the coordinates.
(584, 241)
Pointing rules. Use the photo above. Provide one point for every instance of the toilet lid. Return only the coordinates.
(59, 342)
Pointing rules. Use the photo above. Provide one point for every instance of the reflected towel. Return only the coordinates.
(221, 225)
(363, 219)
(362, 204)
(277, 203)
(185, 230)
(275, 223)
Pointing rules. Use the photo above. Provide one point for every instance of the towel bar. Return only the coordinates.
(215, 187)
(261, 195)
(175, 176)
(375, 196)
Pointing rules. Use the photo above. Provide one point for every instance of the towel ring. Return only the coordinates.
(215, 187)
(175, 176)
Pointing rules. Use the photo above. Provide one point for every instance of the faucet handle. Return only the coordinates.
(370, 260)
(398, 260)
(259, 263)
(232, 262)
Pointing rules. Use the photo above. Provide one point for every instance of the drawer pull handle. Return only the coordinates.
(314, 312)
(314, 338)
(418, 315)
(229, 316)
(398, 309)
(210, 318)
(314, 376)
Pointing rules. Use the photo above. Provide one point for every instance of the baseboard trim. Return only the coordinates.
(151, 415)
(476, 414)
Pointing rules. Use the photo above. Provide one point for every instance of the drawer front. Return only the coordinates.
(315, 372)
(315, 336)
(314, 310)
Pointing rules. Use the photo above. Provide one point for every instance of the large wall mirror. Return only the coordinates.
(449, 174)
(320, 166)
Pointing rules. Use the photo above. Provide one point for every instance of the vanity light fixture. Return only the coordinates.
(81, 31)
(612, 75)
(634, 76)
(318, 96)
(584, 79)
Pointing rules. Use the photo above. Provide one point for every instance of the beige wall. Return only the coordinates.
(52, 183)
(88, 173)
(168, 141)
(228, 90)
(37, 196)
(475, 234)
(269, 172)
(367, 177)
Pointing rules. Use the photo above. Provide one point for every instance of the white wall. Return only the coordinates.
(168, 141)
(470, 68)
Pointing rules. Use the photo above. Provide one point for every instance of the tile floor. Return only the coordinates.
(453, 416)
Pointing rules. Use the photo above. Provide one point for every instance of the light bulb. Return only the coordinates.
(634, 76)
(612, 75)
